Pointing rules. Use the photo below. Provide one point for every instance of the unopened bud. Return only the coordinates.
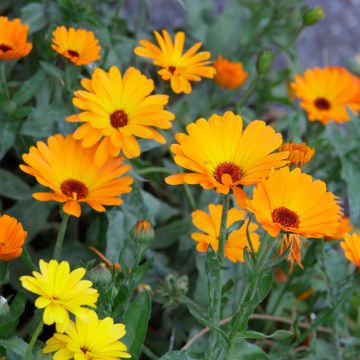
(313, 15)
(264, 61)
(143, 232)
(100, 275)
(142, 288)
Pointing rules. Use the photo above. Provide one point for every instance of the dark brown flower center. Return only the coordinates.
(73, 53)
(84, 350)
(228, 168)
(118, 119)
(172, 69)
(5, 48)
(322, 104)
(74, 189)
(285, 217)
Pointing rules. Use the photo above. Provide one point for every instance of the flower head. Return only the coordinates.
(13, 39)
(291, 201)
(60, 291)
(79, 46)
(68, 169)
(229, 74)
(175, 66)
(325, 94)
(221, 155)
(93, 339)
(117, 108)
(12, 238)
(343, 228)
(351, 246)
(299, 154)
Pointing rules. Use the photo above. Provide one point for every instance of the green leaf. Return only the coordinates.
(246, 351)
(4, 273)
(11, 186)
(8, 131)
(281, 334)
(52, 70)
(136, 322)
(33, 15)
(251, 335)
(15, 348)
(264, 286)
(179, 355)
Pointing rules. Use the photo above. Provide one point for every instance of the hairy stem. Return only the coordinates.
(60, 237)
(33, 340)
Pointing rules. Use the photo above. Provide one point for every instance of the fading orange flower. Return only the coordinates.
(221, 155)
(116, 109)
(175, 66)
(13, 39)
(68, 169)
(79, 46)
(237, 240)
(351, 246)
(299, 154)
(292, 240)
(229, 75)
(12, 238)
(291, 201)
(325, 94)
(343, 228)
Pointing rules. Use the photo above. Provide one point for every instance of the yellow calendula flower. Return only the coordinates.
(299, 154)
(93, 339)
(118, 108)
(178, 67)
(229, 74)
(351, 247)
(61, 292)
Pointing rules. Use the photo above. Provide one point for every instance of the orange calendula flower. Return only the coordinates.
(351, 246)
(68, 169)
(292, 240)
(237, 240)
(343, 228)
(13, 39)
(117, 108)
(229, 75)
(12, 238)
(299, 154)
(221, 155)
(325, 94)
(291, 201)
(175, 66)
(79, 46)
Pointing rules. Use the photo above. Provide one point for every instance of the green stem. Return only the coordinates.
(60, 237)
(248, 92)
(154, 169)
(26, 259)
(3, 79)
(149, 353)
(33, 340)
(190, 196)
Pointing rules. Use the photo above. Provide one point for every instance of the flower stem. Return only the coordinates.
(33, 340)
(3, 80)
(60, 237)
(26, 259)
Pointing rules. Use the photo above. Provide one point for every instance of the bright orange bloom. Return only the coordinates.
(12, 238)
(299, 154)
(291, 201)
(79, 46)
(326, 93)
(343, 228)
(68, 169)
(292, 240)
(175, 66)
(351, 246)
(229, 75)
(237, 240)
(13, 39)
(221, 155)
(117, 108)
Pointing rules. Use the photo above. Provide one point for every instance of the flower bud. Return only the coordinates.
(313, 15)
(264, 61)
(100, 275)
(143, 232)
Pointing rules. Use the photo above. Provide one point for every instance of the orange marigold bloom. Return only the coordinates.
(221, 155)
(237, 240)
(79, 46)
(117, 108)
(13, 39)
(325, 94)
(299, 154)
(229, 75)
(291, 201)
(292, 240)
(12, 238)
(343, 228)
(175, 66)
(351, 246)
(68, 169)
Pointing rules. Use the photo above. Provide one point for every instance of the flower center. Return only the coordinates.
(322, 104)
(84, 350)
(228, 168)
(118, 119)
(285, 217)
(5, 48)
(74, 189)
(73, 53)
(172, 69)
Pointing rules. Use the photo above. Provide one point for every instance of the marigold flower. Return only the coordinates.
(229, 74)
(237, 240)
(68, 169)
(326, 93)
(175, 66)
(292, 240)
(351, 246)
(117, 108)
(60, 291)
(93, 339)
(291, 201)
(12, 238)
(299, 154)
(79, 46)
(13, 39)
(343, 228)
(221, 155)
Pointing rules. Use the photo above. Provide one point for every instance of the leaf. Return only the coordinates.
(33, 15)
(15, 348)
(246, 351)
(136, 322)
(4, 273)
(13, 187)
(281, 334)
(179, 355)
(8, 131)
(52, 70)
(264, 286)
(251, 335)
